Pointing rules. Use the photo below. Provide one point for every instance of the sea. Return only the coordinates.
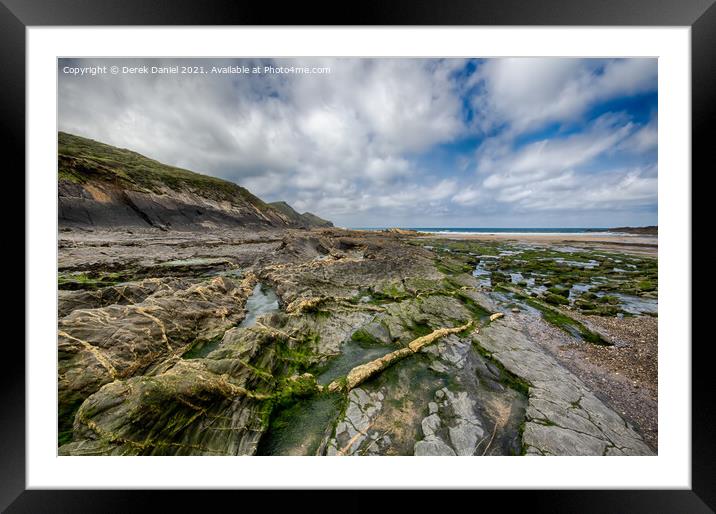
(602, 231)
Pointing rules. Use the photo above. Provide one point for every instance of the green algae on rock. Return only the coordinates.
(170, 367)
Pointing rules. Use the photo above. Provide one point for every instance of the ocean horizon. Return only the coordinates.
(503, 230)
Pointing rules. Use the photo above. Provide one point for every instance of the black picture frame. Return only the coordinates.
(17, 15)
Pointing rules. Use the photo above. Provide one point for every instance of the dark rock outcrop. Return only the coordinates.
(651, 230)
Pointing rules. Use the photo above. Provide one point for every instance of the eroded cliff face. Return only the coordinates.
(375, 345)
(105, 205)
(102, 186)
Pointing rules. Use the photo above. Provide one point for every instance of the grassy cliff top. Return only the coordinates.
(306, 218)
(83, 160)
(315, 220)
(285, 208)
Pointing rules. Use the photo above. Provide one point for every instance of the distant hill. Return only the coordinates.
(307, 219)
(104, 186)
(650, 230)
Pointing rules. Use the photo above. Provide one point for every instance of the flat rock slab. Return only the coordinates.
(355, 427)
(563, 416)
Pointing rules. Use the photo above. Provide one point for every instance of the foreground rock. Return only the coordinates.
(563, 416)
(212, 406)
(132, 383)
(125, 294)
(98, 346)
(364, 372)
(352, 342)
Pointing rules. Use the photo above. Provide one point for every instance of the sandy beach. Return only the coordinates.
(645, 245)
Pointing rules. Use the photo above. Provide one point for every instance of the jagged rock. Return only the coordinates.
(353, 432)
(378, 332)
(361, 373)
(98, 346)
(430, 425)
(402, 318)
(439, 367)
(186, 411)
(457, 393)
(432, 447)
(196, 407)
(464, 437)
(304, 305)
(466, 429)
(125, 294)
(451, 350)
(216, 405)
(401, 231)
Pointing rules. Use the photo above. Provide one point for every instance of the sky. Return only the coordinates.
(508, 142)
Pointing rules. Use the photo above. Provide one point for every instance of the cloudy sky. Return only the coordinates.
(398, 142)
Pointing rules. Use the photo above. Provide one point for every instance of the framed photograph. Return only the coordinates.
(256, 248)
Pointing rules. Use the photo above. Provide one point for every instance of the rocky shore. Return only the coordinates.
(367, 343)
(196, 319)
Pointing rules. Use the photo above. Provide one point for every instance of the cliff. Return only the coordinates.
(100, 185)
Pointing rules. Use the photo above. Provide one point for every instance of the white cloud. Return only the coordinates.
(470, 195)
(643, 140)
(527, 93)
(277, 135)
(618, 189)
(565, 173)
(347, 145)
(381, 168)
(542, 160)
